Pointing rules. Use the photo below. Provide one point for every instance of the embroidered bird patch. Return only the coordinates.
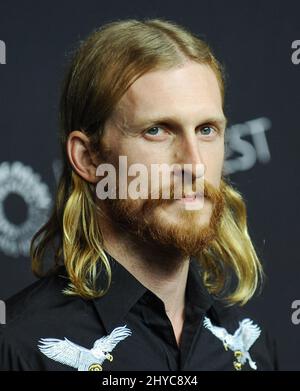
(240, 342)
(76, 356)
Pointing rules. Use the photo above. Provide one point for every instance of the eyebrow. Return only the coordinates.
(219, 121)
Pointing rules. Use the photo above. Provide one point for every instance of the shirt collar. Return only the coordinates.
(125, 290)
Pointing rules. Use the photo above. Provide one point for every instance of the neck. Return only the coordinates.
(162, 271)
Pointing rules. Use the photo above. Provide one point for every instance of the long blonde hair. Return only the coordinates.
(102, 69)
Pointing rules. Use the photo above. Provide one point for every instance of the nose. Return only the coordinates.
(189, 156)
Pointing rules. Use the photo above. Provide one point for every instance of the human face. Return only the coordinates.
(172, 116)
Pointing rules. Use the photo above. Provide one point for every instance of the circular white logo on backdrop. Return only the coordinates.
(21, 180)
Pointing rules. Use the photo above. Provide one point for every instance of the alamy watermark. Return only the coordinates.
(146, 182)
(296, 313)
(296, 53)
(2, 52)
(2, 312)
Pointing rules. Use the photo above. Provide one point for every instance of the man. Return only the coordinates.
(141, 283)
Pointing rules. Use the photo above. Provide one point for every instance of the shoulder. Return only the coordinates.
(34, 312)
(36, 299)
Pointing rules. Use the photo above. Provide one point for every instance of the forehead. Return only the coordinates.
(185, 92)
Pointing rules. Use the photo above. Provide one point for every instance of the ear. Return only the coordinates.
(81, 157)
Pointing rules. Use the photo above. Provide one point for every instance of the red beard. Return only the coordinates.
(188, 235)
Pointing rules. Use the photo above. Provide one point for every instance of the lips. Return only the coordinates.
(199, 194)
(191, 197)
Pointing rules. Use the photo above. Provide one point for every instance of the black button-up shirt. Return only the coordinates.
(69, 325)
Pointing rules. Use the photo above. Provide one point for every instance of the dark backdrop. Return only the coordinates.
(254, 41)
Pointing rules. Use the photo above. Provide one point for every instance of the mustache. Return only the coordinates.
(206, 189)
(215, 195)
(210, 192)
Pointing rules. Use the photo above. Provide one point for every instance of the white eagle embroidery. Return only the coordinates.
(240, 342)
(76, 356)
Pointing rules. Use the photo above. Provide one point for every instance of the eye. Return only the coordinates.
(156, 133)
(207, 130)
(153, 131)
